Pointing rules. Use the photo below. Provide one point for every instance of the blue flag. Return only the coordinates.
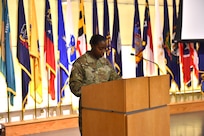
(175, 58)
(106, 32)
(8, 61)
(63, 60)
(172, 61)
(137, 42)
(95, 18)
(201, 64)
(2, 45)
(23, 52)
(167, 42)
(116, 41)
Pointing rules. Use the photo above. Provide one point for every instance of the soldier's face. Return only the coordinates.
(99, 49)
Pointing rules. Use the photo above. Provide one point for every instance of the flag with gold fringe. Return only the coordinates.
(49, 50)
(106, 32)
(63, 58)
(23, 54)
(137, 42)
(36, 80)
(116, 41)
(171, 61)
(6, 60)
(175, 50)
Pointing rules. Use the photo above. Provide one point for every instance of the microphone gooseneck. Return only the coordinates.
(158, 70)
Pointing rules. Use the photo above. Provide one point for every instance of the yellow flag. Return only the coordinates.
(36, 81)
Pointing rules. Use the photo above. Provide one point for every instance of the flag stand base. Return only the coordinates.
(41, 125)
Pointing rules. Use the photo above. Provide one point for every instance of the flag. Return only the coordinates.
(63, 59)
(106, 32)
(95, 18)
(189, 61)
(177, 36)
(36, 80)
(70, 36)
(116, 41)
(170, 61)
(137, 42)
(167, 39)
(81, 41)
(23, 54)
(201, 64)
(185, 62)
(71, 49)
(147, 42)
(2, 46)
(175, 51)
(201, 58)
(49, 50)
(194, 60)
(6, 61)
(158, 41)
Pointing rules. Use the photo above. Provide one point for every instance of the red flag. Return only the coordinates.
(148, 53)
(49, 50)
(189, 61)
(194, 59)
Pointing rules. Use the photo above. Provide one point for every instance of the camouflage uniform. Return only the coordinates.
(89, 70)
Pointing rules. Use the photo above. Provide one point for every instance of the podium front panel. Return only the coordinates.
(123, 95)
(99, 123)
(152, 122)
(159, 90)
(136, 94)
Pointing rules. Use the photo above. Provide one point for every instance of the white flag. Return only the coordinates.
(71, 45)
(159, 57)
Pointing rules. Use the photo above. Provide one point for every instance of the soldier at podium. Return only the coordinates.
(91, 68)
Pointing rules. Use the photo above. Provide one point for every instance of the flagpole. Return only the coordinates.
(35, 89)
(59, 82)
(48, 106)
(48, 101)
(60, 102)
(22, 113)
(8, 107)
(192, 84)
(60, 105)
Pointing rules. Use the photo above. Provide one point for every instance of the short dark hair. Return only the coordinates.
(95, 39)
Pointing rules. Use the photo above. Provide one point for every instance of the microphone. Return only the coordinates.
(158, 70)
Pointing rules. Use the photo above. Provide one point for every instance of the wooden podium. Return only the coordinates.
(127, 107)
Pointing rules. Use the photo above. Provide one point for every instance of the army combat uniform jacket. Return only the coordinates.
(89, 70)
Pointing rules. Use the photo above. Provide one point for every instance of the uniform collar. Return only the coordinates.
(91, 59)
